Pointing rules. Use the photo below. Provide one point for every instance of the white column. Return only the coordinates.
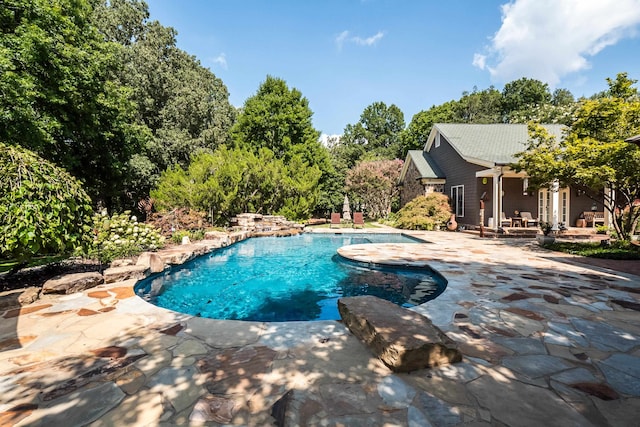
(497, 198)
(555, 203)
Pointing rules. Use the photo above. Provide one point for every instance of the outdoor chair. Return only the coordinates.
(504, 221)
(358, 220)
(335, 220)
(528, 219)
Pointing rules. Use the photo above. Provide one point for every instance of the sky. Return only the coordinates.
(344, 55)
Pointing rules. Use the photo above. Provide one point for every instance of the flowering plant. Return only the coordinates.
(121, 235)
(546, 227)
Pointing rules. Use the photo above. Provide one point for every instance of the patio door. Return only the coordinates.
(545, 210)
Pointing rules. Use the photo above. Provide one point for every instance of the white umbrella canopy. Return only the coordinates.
(346, 210)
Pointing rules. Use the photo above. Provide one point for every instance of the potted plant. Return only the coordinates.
(546, 237)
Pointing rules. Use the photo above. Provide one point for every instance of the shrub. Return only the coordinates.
(179, 219)
(121, 236)
(43, 209)
(424, 213)
(191, 234)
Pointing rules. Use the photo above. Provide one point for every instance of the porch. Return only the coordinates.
(571, 233)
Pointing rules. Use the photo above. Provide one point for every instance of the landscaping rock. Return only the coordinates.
(218, 236)
(152, 261)
(177, 256)
(119, 274)
(71, 283)
(404, 340)
(121, 262)
(18, 297)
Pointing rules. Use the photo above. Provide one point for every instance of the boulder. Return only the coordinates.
(177, 256)
(70, 283)
(119, 274)
(185, 240)
(152, 261)
(18, 297)
(403, 339)
(121, 262)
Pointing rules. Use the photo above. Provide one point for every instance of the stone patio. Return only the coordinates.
(545, 340)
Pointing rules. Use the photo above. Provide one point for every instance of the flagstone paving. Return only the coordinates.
(545, 342)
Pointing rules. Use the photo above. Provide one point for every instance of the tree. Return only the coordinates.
(279, 119)
(523, 94)
(183, 105)
(231, 181)
(593, 156)
(562, 97)
(415, 136)
(43, 209)
(59, 97)
(377, 132)
(372, 184)
(479, 106)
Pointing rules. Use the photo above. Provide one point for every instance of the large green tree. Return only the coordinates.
(593, 156)
(59, 97)
(479, 106)
(377, 133)
(415, 136)
(524, 93)
(279, 118)
(183, 105)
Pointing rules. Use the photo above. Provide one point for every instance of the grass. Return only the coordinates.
(617, 250)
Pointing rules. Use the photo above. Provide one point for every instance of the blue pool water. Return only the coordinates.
(285, 279)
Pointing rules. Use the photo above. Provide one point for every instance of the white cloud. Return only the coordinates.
(221, 60)
(549, 39)
(479, 61)
(369, 41)
(345, 37)
(342, 37)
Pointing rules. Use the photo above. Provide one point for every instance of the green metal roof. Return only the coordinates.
(489, 143)
(425, 165)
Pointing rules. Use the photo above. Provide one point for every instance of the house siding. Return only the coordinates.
(411, 187)
(459, 172)
(514, 200)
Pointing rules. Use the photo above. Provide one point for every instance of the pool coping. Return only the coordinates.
(520, 338)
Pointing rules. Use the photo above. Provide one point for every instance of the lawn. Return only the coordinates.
(617, 249)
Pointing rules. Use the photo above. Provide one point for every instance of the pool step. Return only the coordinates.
(403, 339)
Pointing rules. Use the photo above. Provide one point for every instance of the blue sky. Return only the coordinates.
(343, 55)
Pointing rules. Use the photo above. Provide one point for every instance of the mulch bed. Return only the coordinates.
(36, 276)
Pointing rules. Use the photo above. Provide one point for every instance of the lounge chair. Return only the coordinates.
(335, 220)
(358, 220)
(504, 221)
(528, 219)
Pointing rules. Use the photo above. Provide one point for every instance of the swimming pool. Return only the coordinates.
(285, 279)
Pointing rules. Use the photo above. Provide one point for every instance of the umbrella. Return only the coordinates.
(346, 211)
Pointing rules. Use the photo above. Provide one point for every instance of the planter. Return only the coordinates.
(452, 225)
(545, 239)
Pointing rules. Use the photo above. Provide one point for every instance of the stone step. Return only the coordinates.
(403, 339)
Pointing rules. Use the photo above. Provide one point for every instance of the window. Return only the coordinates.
(457, 200)
(437, 140)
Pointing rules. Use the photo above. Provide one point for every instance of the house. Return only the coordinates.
(471, 164)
